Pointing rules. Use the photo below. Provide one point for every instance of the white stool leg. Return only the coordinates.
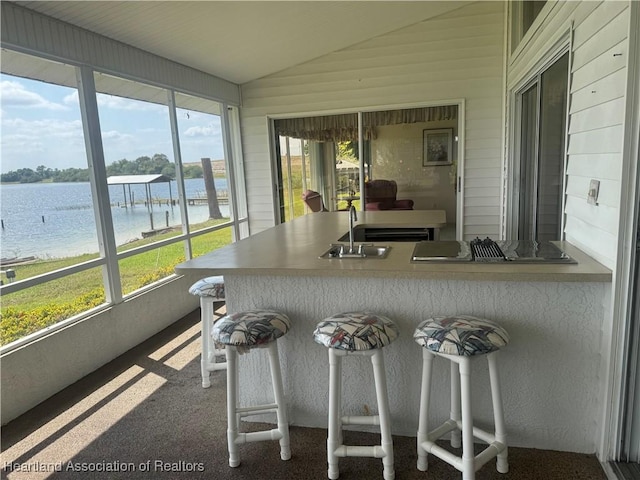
(423, 422)
(468, 456)
(232, 404)
(278, 393)
(339, 405)
(377, 359)
(206, 313)
(334, 434)
(216, 349)
(454, 414)
(502, 464)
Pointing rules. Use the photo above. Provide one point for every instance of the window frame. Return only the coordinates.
(109, 257)
(515, 122)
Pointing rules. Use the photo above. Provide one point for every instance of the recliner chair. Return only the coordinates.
(381, 195)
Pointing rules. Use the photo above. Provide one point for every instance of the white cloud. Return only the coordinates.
(14, 94)
(71, 99)
(45, 128)
(201, 131)
(114, 135)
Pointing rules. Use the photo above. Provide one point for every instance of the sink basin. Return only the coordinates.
(363, 251)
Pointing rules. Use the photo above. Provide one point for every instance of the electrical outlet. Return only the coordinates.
(594, 189)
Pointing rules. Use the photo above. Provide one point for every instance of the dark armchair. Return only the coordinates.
(381, 195)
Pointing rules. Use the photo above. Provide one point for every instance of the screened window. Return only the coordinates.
(57, 266)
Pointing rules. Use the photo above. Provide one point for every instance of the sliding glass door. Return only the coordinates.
(540, 163)
(415, 149)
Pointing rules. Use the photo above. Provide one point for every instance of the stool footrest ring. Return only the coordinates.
(360, 420)
(446, 427)
(374, 451)
(257, 409)
(494, 448)
(274, 434)
(214, 367)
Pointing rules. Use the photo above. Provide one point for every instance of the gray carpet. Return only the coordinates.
(145, 415)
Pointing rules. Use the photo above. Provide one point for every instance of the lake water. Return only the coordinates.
(69, 228)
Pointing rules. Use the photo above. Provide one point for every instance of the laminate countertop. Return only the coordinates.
(294, 249)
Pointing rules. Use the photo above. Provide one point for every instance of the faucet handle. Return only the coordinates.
(362, 246)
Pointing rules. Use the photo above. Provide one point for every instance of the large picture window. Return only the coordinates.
(159, 206)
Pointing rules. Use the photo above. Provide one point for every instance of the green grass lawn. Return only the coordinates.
(34, 308)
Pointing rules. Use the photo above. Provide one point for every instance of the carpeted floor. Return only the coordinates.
(146, 416)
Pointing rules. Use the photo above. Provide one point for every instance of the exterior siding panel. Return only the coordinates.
(455, 56)
(596, 113)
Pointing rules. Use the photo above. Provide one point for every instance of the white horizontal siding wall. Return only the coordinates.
(596, 113)
(596, 129)
(455, 56)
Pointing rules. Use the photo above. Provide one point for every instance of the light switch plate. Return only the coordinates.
(594, 189)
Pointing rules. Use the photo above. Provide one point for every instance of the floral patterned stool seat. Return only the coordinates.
(364, 334)
(460, 339)
(211, 292)
(242, 332)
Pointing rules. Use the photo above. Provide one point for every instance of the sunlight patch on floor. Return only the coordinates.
(177, 354)
(72, 430)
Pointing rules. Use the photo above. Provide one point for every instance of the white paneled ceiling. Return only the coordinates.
(241, 41)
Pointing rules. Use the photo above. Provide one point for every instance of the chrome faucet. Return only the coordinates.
(353, 217)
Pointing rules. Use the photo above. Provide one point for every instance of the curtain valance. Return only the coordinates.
(344, 128)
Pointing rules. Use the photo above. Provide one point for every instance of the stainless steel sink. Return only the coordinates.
(362, 251)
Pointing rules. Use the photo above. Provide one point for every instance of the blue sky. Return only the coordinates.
(41, 125)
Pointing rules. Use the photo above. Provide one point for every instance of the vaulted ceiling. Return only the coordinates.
(241, 41)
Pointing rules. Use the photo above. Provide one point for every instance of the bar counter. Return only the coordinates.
(554, 313)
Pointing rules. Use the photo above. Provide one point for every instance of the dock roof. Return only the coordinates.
(136, 179)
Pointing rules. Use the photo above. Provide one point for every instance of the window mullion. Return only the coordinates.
(230, 165)
(98, 181)
(175, 138)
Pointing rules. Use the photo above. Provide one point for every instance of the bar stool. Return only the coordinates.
(364, 334)
(242, 332)
(460, 339)
(211, 291)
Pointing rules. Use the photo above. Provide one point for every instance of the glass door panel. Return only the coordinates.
(528, 163)
(551, 152)
(315, 155)
(542, 153)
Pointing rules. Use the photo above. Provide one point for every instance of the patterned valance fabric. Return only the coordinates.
(410, 115)
(329, 128)
(344, 128)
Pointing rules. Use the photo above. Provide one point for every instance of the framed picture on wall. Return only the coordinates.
(437, 147)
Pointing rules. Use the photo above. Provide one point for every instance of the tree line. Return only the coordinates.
(158, 164)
